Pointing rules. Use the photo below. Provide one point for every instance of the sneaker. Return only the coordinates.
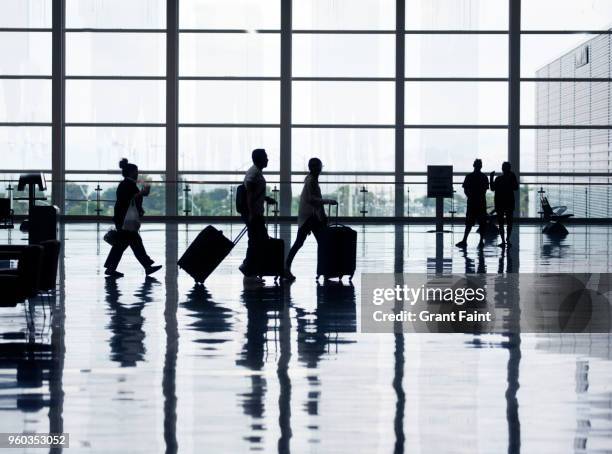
(461, 244)
(152, 269)
(253, 280)
(289, 275)
(113, 273)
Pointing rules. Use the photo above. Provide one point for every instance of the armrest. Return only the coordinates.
(11, 251)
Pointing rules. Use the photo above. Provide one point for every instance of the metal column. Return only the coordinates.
(285, 109)
(172, 51)
(514, 91)
(400, 40)
(58, 85)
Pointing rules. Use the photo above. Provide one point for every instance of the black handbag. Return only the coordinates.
(111, 237)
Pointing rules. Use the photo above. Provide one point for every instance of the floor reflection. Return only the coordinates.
(126, 322)
(229, 367)
(263, 305)
(207, 316)
(30, 368)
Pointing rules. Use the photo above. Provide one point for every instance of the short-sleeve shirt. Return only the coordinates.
(255, 181)
(475, 187)
(504, 187)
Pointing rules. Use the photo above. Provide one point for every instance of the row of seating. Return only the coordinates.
(36, 271)
(6, 214)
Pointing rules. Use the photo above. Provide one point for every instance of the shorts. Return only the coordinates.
(474, 214)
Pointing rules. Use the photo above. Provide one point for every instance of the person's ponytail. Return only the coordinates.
(124, 165)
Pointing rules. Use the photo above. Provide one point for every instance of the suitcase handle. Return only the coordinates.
(240, 235)
(330, 216)
(268, 217)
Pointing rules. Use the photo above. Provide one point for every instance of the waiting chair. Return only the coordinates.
(553, 216)
(50, 263)
(21, 283)
(6, 214)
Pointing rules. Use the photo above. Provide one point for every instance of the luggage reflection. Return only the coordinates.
(207, 316)
(317, 331)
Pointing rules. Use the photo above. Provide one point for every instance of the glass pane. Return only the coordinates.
(25, 53)
(343, 102)
(456, 147)
(569, 56)
(344, 150)
(566, 103)
(568, 150)
(116, 14)
(343, 55)
(25, 13)
(584, 197)
(21, 206)
(566, 14)
(474, 103)
(81, 194)
(25, 147)
(344, 15)
(230, 14)
(102, 148)
(226, 148)
(208, 198)
(456, 56)
(457, 15)
(115, 101)
(229, 102)
(25, 100)
(115, 54)
(347, 190)
(528, 147)
(236, 54)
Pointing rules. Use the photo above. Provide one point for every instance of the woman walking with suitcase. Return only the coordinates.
(128, 210)
(311, 214)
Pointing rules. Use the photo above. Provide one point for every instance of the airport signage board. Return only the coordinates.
(439, 181)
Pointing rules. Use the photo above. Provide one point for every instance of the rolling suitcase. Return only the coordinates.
(43, 223)
(337, 251)
(272, 263)
(206, 252)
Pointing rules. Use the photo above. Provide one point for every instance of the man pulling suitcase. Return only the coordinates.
(250, 204)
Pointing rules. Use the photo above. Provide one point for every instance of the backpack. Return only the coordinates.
(241, 200)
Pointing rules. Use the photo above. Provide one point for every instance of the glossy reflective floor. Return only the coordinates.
(158, 365)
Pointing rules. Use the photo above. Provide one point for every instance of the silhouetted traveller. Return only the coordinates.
(311, 214)
(126, 192)
(255, 185)
(475, 187)
(504, 187)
